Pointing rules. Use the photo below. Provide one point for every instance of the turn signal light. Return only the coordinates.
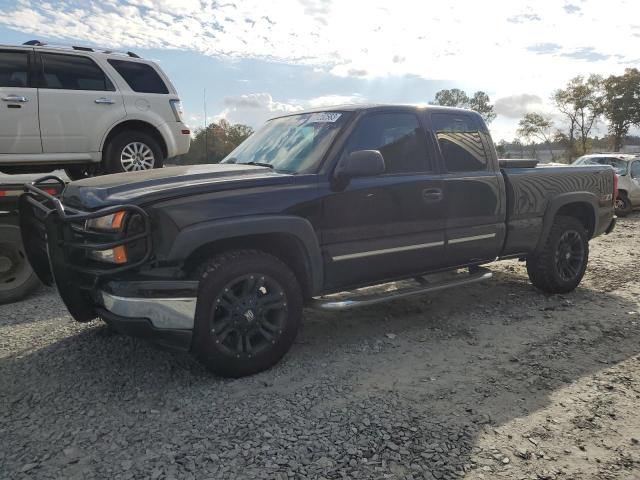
(117, 255)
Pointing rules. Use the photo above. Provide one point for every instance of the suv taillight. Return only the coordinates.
(176, 106)
(615, 187)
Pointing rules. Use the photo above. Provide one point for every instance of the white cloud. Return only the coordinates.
(409, 38)
(515, 106)
(255, 108)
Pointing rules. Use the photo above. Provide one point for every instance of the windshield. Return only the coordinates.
(618, 164)
(292, 144)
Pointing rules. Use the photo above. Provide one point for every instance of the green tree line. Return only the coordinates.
(213, 143)
(583, 102)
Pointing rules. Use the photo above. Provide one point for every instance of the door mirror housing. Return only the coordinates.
(361, 163)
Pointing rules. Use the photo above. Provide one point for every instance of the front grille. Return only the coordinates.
(54, 231)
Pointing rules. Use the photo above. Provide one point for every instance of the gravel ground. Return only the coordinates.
(492, 381)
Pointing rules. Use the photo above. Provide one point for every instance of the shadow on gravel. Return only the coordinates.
(408, 383)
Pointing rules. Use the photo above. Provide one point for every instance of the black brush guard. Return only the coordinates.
(56, 243)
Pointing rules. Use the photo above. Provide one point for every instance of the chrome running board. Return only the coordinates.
(477, 274)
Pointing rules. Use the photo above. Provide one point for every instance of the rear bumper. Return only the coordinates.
(177, 142)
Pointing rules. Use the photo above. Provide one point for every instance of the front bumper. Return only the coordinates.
(168, 338)
(163, 313)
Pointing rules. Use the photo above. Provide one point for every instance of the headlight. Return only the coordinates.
(176, 106)
(108, 223)
(117, 255)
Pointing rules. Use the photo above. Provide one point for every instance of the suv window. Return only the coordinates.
(635, 169)
(14, 69)
(398, 137)
(460, 142)
(142, 78)
(72, 72)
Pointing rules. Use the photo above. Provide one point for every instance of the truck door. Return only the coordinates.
(19, 127)
(389, 225)
(473, 189)
(78, 104)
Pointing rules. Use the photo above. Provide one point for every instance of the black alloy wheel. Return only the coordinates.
(569, 255)
(249, 316)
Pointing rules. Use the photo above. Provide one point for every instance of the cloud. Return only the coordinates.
(586, 53)
(571, 8)
(254, 109)
(347, 40)
(524, 17)
(544, 48)
(331, 100)
(515, 106)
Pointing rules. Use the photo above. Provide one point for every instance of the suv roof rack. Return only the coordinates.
(38, 43)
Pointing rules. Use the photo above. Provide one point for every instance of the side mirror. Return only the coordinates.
(362, 163)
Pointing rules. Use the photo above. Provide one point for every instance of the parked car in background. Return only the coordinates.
(220, 259)
(86, 110)
(627, 169)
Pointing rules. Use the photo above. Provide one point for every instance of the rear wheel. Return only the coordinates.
(17, 278)
(132, 151)
(560, 265)
(248, 314)
(623, 205)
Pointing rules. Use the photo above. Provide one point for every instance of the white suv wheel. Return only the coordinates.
(137, 156)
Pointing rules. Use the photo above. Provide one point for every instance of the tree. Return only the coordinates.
(534, 126)
(455, 97)
(221, 139)
(621, 104)
(481, 103)
(581, 103)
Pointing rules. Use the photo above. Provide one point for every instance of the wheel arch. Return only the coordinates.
(582, 206)
(136, 125)
(291, 239)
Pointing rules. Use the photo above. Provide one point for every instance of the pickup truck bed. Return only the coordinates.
(219, 260)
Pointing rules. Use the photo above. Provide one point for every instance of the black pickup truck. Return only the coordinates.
(220, 260)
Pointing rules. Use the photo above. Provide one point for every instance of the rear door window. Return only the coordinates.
(460, 142)
(140, 77)
(14, 69)
(72, 72)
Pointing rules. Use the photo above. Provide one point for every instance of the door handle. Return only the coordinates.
(104, 101)
(432, 194)
(15, 98)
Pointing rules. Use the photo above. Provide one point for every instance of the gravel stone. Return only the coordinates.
(473, 384)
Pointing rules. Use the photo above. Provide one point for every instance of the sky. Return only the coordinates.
(257, 59)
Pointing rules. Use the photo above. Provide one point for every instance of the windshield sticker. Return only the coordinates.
(324, 117)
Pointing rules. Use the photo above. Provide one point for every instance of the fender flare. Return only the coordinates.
(200, 234)
(560, 201)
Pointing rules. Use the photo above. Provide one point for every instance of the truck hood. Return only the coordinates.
(164, 183)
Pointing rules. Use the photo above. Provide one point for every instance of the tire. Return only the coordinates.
(17, 278)
(131, 151)
(78, 172)
(560, 265)
(623, 205)
(245, 294)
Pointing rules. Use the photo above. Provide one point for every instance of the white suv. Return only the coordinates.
(85, 110)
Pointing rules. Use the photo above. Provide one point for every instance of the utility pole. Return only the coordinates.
(206, 144)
